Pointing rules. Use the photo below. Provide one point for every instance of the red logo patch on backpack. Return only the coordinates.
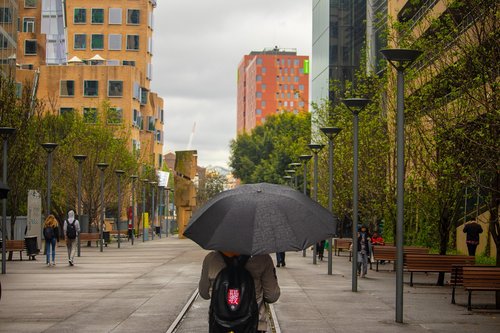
(233, 297)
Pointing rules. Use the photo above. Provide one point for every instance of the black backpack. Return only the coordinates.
(71, 230)
(48, 233)
(233, 304)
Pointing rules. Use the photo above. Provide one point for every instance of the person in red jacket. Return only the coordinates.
(377, 239)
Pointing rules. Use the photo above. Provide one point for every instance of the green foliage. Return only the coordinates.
(213, 184)
(264, 155)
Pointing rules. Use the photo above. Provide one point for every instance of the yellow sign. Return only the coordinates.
(145, 218)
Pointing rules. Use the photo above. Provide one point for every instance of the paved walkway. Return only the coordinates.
(142, 288)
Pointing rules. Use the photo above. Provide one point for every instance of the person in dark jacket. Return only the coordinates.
(472, 229)
(51, 235)
(363, 251)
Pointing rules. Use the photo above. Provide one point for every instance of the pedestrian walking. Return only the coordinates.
(280, 259)
(262, 271)
(71, 231)
(51, 235)
(363, 251)
(472, 229)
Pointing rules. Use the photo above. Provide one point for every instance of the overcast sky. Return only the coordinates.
(198, 45)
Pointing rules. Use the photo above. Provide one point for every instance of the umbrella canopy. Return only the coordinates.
(97, 57)
(260, 218)
(75, 60)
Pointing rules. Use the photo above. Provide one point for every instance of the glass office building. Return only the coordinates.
(339, 32)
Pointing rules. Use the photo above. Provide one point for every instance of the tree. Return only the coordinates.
(214, 184)
(264, 154)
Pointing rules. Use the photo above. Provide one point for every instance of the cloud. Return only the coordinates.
(197, 48)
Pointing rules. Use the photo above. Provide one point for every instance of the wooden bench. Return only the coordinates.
(435, 263)
(388, 252)
(14, 246)
(457, 278)
(480, 278)
(341, 244)
(90, 237)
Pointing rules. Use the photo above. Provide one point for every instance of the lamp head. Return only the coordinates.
(102, 166)
(49, 146)
(315, 147)
(305, 158)
(119, 173)
(134, 177)
(294, 164)
(5, 132)
(80, 158)
(331, 132)
(400, 58)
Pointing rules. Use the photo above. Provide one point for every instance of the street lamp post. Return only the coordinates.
(119, 174)
(5, 132)
(144, 183)
(161, 214)
(400, 59)
(168, 212)
(304, 159)
(331, 133)
(102, 167)
(133, 178)
(315, 148)
(293, 179)
(153, 184)
(288, 180)
(79, 159)
(295, 166)
(355, 105)
(49, 148)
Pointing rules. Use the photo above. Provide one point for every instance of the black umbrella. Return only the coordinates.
(260, 218)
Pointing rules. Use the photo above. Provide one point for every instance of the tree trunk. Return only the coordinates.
(444, 237)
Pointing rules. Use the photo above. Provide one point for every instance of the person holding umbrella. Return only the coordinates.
(263, 273)
(254, 220)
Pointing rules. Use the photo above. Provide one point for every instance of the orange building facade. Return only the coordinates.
(270, 82)
(79, 55)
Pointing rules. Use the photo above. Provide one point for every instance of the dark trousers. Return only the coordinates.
(280, 258)
(472, 249)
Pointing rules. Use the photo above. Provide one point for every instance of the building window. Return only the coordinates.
(90, 115)
(97, 16)
(80, 16)
(296, 62)
(258, 94)
(97, 42)
(301, 87)
(151, 124)
(258, 112)
(133, 16)
(115, 16)
(29, 3)
(30, 47)
(80, 42)
(114, 42)
(144, 96)
(263, 87)
(66, 111)
(301, 104)
(264, 70)
(67, 88)
(133, 42)
(263, 104)
(115, 116)
(258, 78)
(90, 88)
(5, 15)
(296, 79)
(259, 61)
(115, 88)
(128, 63)
(29, 24)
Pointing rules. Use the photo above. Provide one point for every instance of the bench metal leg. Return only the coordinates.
(377, 267)
(453, 295)
(469, 306)
(411, 279)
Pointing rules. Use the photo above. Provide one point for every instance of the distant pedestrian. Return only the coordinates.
(472, 229)
(71, 231)
(51, 235)
(363, 251)
(280, 259)
(320, 249)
